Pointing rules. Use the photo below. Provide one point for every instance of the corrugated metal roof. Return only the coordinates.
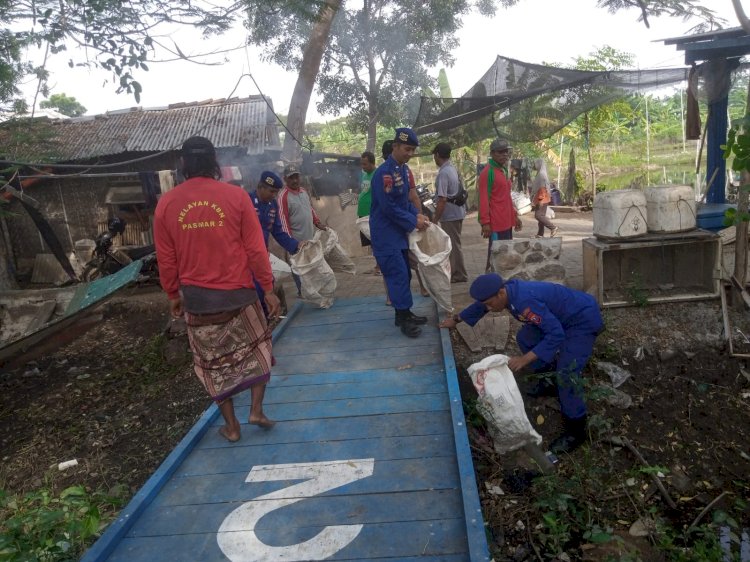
(246, 123)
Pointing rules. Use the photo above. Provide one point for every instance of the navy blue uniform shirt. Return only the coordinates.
(392, 216)
(552, 308)
(270, 222)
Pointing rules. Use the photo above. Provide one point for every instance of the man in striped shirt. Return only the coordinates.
(296, 212)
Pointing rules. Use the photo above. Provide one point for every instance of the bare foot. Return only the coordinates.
(231, 436)
(263, 422)
(424, 292)
(388, 303)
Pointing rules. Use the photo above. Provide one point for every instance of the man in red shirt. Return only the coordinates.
(497, 215)
(210, 248)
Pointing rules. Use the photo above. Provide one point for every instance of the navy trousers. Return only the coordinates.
(397, 275)
(569, 364)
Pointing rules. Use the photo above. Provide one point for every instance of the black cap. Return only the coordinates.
(198, 146)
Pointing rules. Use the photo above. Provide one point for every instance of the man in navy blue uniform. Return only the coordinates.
(264, 199)
(560, 326)
(392, 218)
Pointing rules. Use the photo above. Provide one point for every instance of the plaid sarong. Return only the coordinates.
(231, 350)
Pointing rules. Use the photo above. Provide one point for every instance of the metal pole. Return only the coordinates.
(682, 121)
(74, 176)
(648, 146)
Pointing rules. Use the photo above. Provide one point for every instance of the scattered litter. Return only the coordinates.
(642, 528)
(493, 489)
(67, 464)
(519, 525)
(667, 354)
(639, 354)
(615, 372)
(744, 337)
(618, 398)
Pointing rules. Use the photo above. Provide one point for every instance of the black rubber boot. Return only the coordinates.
(543, 387)
(572, 437)
(409, 315)
(417, 319)
(408, 326)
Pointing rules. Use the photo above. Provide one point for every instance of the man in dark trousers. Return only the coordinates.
(560, 326)
(392, 218)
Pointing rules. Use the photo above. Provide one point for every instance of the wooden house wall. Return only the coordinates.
(76, 208)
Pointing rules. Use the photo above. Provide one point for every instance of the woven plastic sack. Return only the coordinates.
(501, 404)
(432, 248)
(279, 267)
(363, 223)
(316, 276)
(521, 202)
(333, 253)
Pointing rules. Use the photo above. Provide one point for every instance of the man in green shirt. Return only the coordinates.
(367, 163)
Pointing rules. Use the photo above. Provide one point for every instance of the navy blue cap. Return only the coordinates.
(486, 286)
(269, 179)
(405, 135)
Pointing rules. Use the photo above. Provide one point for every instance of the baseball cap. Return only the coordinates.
(271, 179)
(486, 286)
(500, 145)
(290, 170)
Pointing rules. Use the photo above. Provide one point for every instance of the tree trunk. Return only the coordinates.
(308, 73)
(7, 281)
(570, 188)
(372, 126)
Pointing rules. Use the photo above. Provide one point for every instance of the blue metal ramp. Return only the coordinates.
(370, 458)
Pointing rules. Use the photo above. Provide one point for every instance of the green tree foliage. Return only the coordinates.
(672, 8)
(377, 58)
(118, 36)
(67, 105)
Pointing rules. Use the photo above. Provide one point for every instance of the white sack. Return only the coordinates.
(318, 280)
(521, 202)
(363, 223)
(333, 253)
(550, 213)
(432, 248)
(279, 267)
(500, 403)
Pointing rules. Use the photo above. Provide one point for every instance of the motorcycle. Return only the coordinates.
(427, 198)
(106, 261)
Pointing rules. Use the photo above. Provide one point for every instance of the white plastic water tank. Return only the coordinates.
(671, 208)
(620, 214)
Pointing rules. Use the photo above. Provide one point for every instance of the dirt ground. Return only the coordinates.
(684, 409)
(121, 396)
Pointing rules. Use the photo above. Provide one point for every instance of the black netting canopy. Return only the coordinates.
(527, 102)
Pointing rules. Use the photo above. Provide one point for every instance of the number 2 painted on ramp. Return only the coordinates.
(237, 538)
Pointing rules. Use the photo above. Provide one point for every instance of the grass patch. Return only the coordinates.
(43, 526)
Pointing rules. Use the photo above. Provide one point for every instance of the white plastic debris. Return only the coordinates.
(615, 372)
(67, 464)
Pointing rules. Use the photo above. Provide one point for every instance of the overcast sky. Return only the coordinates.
(535, 31)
